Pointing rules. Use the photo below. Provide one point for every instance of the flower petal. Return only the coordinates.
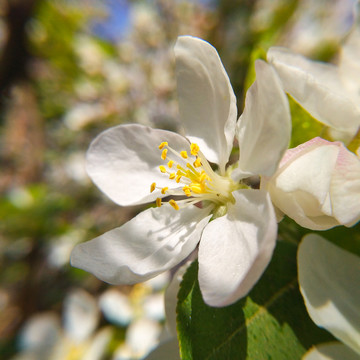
(331, 351)
(81, 315)
(155, 240)
(330, 284)
(207, 102)
(264, 128)
(318, 185)
(349, 67)
(345, 187)
(300, 188)
(123, 162)
(317, 87)
(236, 248)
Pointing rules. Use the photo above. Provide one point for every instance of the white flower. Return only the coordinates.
(318, 185)
(125, 163)
(43, 338)
(330, 93)
(330, 284)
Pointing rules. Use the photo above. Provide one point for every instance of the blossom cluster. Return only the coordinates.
(226, 211)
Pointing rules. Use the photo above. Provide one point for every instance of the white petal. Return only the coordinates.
(116, 307)
(331, 351)
(207, 102)
(316, 86)
(98, 345)
(264, 128)
(330, 284)
(300, 188)
(236, 248)
(155, 240)
(124, 161)
(40, 332)
(81, 315)
(349, 67)
(345, 187)
(142, 336)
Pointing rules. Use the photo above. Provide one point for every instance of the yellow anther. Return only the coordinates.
(163, 154)
(164, 190)
(173, 203)
(172, 176)
(162, 168)
(197, 162)
(178, 178)
(170, 163)
(152, 187)
(184, 154)
(194, 149)
(187, 190)
(158, 202)
(161, 146)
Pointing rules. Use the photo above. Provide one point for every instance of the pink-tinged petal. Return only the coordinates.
(236, 248)
(345, 188)
(330, 284)
(124, 161)
(317, 185)
(300, 187)
(331, 351)
(154, 241)
(264, 128)
(207, 102)
(317, 87)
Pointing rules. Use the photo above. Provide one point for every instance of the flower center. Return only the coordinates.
(197, 180)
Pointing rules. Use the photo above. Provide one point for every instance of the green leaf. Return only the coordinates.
(271, 323)
(304, 126)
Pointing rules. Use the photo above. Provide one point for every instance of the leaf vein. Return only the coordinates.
(260, 312)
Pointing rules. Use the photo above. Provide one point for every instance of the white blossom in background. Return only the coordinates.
(43, 337)
(330, 284)
(134, 164)
(316, 24)
(330, 93)
(318, 185)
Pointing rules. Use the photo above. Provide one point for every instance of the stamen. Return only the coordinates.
(197, 162)
(199, 181)
(164, 153)
(184, 154)
(187, 190)
(194, 149)
(163, 144)
(173, 203)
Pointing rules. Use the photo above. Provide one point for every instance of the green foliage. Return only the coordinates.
(304, 126)
(270, 323)
(39, 211)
